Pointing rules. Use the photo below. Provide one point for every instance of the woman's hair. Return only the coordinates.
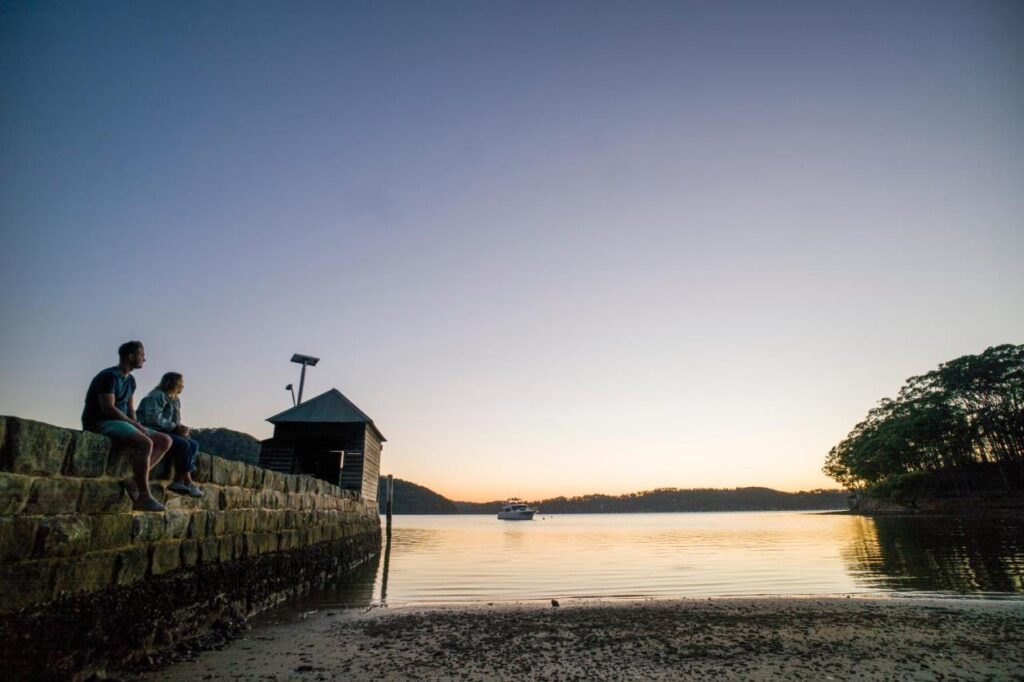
(169, 382)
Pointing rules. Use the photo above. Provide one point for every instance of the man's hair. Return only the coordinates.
(127, 348)
(169, 382)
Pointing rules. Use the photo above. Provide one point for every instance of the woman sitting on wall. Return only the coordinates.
(161, 410)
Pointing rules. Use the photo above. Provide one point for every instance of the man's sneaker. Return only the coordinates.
(148, 504)
(180, 488)
(195, 491)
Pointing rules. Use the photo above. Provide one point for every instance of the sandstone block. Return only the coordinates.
(110, 531)
(148, 527)
(219, 471)
(266, 542)
(85, 574)
(235, 472)
(59, 536)
(26, 583)
(176, 524)
(209, 550)
(103, 496)
(53, 496)
(165, 558)
(215, 524)
(202, 474)
(249, 547)
(34, 448)
(89, 454)
(249, 520)
(132, 565)
(189, 553)
(17, 537)
(226, 548)
(238, 546)
(234, 521)
(119, 461)
(197, 525)
(14, 492)
(287, 539)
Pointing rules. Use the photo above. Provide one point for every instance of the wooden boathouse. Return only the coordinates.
(327, 437)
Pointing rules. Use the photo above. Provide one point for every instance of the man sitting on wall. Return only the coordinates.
(110, 410)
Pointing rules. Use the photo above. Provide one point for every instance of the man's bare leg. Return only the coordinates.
(161, 444)
(142, 451)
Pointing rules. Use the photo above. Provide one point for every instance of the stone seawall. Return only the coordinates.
(87, 582)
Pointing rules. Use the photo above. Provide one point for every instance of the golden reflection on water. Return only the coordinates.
(436, 559)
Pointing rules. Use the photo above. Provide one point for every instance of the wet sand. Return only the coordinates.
(732, 639)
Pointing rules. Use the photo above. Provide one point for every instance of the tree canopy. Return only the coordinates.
(969, 411)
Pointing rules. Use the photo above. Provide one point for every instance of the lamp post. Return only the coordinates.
(303, 360)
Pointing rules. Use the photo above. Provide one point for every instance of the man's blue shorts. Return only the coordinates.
(117, 428)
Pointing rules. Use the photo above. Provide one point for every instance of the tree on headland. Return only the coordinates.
(967, 413)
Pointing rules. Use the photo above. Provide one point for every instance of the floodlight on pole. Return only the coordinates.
(291, 388)
(303, 360)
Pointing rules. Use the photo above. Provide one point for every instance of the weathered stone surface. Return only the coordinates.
(103, 496)
(148, 527)
(34, 448)
(226, 547)
(197, 525)
(204, 463)
(14, 491)
(215, 523)
(219, 471)
(209, 550)
(266, 542)
(59, 536)
(17, 537)
(26, 583)
(236, 472)
(85, 574)
(53, 496)
(110, 531)
(189, 553)
(234, 521)
(89, 454)
(165, 558)
(177, 524)
(132, 565)
(119, 461)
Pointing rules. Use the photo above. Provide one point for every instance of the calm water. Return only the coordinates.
(435, 559)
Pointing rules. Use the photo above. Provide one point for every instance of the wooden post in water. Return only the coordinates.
(390, 499)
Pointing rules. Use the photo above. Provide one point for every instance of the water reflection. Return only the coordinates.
(939, 554)
(434, 559)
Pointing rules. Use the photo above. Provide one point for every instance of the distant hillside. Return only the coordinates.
(410, 498)
(675, 500)
(228, 444)
(415, 499)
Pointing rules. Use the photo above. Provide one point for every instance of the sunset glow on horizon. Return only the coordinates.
(550, 248)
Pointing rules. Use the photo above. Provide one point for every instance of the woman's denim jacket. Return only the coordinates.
(160, 411)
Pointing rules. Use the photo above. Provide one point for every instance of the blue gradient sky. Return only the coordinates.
(534, 241)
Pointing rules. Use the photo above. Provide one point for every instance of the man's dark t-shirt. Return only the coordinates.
(110, 380)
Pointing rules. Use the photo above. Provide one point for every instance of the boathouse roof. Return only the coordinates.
(330, 407)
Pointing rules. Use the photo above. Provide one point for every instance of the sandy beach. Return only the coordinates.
(739, 639)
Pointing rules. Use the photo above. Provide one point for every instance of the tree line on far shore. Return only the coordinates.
(410, 498)
(965, 417)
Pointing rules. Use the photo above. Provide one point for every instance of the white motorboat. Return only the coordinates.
(516, 510)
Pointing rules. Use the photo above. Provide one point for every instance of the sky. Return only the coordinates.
(551, 248)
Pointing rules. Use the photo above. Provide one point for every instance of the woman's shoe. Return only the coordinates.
(195, 491)
(180, 488)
